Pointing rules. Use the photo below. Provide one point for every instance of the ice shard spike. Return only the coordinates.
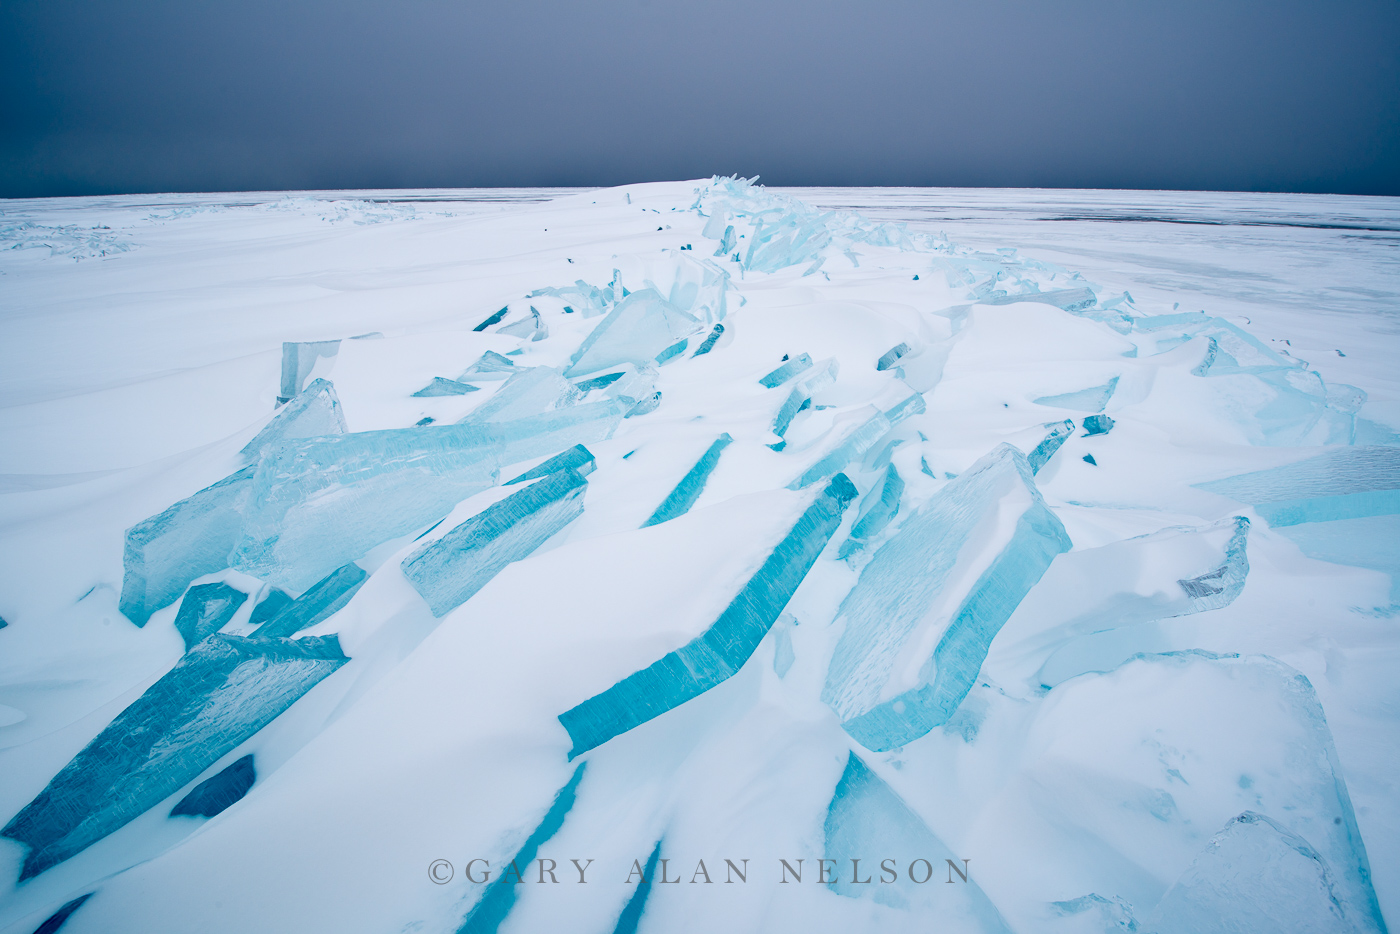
(445, 387)
(216, 795)
(491, 367)
(190, 539)
(498, 899)
(708, 343)
(879, 508)
(317, 605)
(205, 610)
(220, 693)
(59, 918)
(1059, 432)
(494, 319)
(313, 412)
(798, 364)
(298, 361)
(679, 501)
(447, 572)
(891, 357)
(577, 458)
(990, 521)
(721, 650)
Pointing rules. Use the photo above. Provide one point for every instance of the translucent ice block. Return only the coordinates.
(923, 613)
(1059, 432)
(641, 326)
(313, 412)
(298, 360)
(445, 387)
(492, 366)
(867, 823)
(325, 502)
(205, 610)
(1092, 399)
(447, 572)
(216, 795)
(709, 342)
(494, 319)
(798, 364)
(857, 443)
(1343, 484)
(1255, 876)
(316, 605)
(528, 392)
(188, 540)
(721, 650)
(891, 357)
(679, 501)
(275, 602)
(1219, 587)
(877, 509)
(577, 458)
(1097, 425)
(597, 382)
(220, 693)
(796, 401)
(497, 898)
(672, 352)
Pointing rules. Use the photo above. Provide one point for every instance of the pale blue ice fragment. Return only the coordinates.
(891, 356)
(910, 405)
(858, 442)
(709, 342)
(317, 605)
(1067, 299)
(1256, 875)
(492, 366)
(797, 400)
(314, 411)
(531, 326)
(1092, 399)
(492, 320)
(527, 392)
(876, 511)
(649, 404)
(498, 897)
(1097, 425)
(205, 610)
(902, 597)
(275, 602)
(597, 382)
(448, 572)
(867, 823)
(324, 502)
(577, 458)
(637, 385)
(632, 913)
(727, 242)
(675, 350)
(1059, 433)
(1346, 483)
(721, 650)
(59, 918)
(798, 364)
(640, 326)
(679, 500)
(215, 795)
(1219, 587)
(441, 386)
(219, 694)
(192, 538)
(298, 361)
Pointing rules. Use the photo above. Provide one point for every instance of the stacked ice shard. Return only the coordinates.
(920, 618)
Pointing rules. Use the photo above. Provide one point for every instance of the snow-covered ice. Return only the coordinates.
(697, 556)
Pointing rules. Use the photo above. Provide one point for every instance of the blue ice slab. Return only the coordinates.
(492, 366)
(1059, 433)
(447, 572)
(205, 610)
(531, 326)
(1368, 542)
(597, 382)
(216, 795)
(679, 500)
(641, 326)
(798, 364)
(858, 442)
(577, 458)
(275, 602)
(60, 917)
(498, 897)
(867, 823)
(325, 502)
(1097, 425)
(1092, 399)
(718, 653)
(708, 343)
(632, 912)
(1066, 299)
(876, 511)
(1256, 875)
(445, 387)
(298, 360)
(314, 411)
(797, 400)
(317, 605)
(891, 357)
(992, 521)
(190, 539)
(494, 319)
(1347, 483)
(220, 693)
(527, 392)
(675, 350)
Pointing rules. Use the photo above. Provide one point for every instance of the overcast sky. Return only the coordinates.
(104, 96)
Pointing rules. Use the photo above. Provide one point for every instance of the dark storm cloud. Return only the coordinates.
(217, 95)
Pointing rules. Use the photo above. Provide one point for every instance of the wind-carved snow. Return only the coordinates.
(810, 537)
